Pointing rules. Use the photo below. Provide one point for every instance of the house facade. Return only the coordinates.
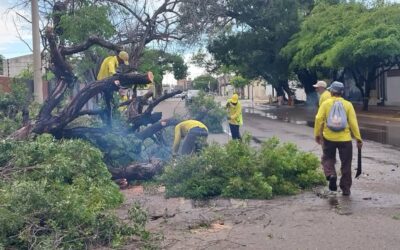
(384, 91)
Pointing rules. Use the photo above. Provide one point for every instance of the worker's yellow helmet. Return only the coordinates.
(123, 55)
(234, 98)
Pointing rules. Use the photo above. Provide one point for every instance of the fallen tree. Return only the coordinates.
(56, 122)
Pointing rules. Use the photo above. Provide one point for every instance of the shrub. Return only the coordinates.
(58, 194)
(205, 109)
(239, 171)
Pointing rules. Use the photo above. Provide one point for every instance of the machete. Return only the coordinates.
(359, 164)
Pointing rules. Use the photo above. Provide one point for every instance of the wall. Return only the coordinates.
(4, 84)
(14, 66)
(393, 88)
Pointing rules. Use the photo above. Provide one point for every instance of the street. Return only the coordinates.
(368, 219)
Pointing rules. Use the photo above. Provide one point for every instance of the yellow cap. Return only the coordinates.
(234, 98)
(124, 56)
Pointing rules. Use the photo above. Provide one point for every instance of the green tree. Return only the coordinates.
(327, 24)
(264, 27)
(239, 83)
(160, 62)
(360, 39)
(205, 83)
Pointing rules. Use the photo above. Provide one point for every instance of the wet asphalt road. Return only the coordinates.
(368, 219)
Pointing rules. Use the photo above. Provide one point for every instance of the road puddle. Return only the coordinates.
(386, 133)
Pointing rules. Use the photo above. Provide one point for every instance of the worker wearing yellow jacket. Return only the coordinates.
(110, 65)
(195, 134)
(235, 118)
(340, 139)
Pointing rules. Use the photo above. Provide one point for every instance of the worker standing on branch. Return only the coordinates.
(195, 136)
(235, 118)
(110, 65)
(338, 119)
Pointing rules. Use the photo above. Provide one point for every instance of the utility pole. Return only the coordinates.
(37, 60)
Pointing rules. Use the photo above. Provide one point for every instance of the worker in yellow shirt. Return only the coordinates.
(110, 65)
(323, 93)
(195, 136)
(337, 119)
(235, 118)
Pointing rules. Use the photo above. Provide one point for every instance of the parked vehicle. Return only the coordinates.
(190, 94)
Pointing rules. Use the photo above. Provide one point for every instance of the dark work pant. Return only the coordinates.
(346, 156)
(194, 141)
(235, 131)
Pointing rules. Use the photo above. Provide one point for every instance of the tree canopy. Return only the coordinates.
(160, 62)
(206, 83)
(352, 36)
(262, 29)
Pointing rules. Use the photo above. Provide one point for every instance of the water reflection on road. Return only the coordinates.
(378, 130)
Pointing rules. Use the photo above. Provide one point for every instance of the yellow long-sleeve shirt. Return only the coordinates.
(182, 129)
(352, 125)
(122, 99)
(235, 113)
(108, 67)
(324, 96)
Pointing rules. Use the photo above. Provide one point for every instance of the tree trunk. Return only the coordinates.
(368, 82)
(138, 171)
(308, 78)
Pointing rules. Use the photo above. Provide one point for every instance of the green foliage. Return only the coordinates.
(205, 83)
(57, 194)
(347, 35)
(239, 82)
(326, 26)
(265, 27)
(85, 21)
(205, 109)
(119, 149)
(16, 99)
(237, 170)
(8, 126)
(13, 103)
(160, 62)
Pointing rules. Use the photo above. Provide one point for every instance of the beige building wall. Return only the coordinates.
(256, 91)
(14, 66)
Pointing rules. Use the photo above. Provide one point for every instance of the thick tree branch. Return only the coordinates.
(55, 124)
(92, 40)
(91, 112)
(162, 98)
(151, 130)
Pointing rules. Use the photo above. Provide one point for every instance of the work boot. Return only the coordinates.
(346, 192)
(332, 183)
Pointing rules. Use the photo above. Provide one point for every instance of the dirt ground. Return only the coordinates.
(368, 219)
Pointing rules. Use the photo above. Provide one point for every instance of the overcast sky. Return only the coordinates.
(10, 44)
